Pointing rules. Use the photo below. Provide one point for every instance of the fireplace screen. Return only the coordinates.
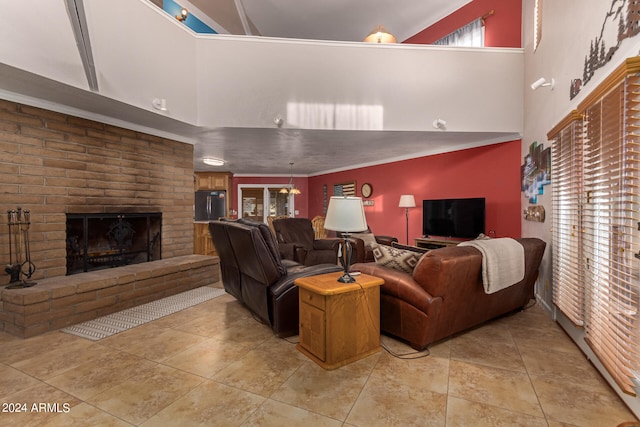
(97, 241)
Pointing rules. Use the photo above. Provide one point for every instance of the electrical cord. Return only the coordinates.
(290, 341)
(530, 305)
(406, 356)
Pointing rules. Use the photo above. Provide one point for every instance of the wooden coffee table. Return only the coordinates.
(339, 322)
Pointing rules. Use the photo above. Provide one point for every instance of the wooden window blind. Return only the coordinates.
(610, 215)
(568, 275)
(596, 237)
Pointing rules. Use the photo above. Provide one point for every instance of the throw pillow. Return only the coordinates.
(398, 259)
(368, 238)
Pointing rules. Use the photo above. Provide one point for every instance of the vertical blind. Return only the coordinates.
(596, 214)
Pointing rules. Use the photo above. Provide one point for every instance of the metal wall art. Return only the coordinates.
(620, 22)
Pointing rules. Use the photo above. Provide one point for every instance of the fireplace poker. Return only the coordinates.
(13, 224)
(10, 268)
(31, 268)
(13, 269)
(19, 234)
(10, 240)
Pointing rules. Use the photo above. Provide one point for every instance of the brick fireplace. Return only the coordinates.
(99, 241)
(56, 164)
(59, 166)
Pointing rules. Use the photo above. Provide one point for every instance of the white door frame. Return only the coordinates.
(265, 195)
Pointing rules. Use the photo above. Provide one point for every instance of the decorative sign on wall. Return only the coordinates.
(324, 199)
(620, 22)
(535, 173)
(534, 213)
(345, 189)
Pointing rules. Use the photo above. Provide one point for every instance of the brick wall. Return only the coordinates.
(54, 164)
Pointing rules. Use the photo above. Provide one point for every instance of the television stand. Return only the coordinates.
(428, 243)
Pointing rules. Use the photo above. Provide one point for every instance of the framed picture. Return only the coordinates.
(345, 189)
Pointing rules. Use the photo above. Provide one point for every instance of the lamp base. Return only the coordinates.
(346, 278)
(347, 251)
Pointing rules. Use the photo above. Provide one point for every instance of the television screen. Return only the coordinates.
(457, 218)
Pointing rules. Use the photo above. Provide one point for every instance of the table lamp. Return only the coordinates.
(346, 215)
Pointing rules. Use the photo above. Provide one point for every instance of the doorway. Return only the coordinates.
(259, 201)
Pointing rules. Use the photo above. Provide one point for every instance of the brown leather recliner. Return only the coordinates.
(444, 295)
(297, 242)
(253, 272)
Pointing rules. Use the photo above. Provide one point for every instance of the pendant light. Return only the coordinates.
(380, 35)
(290, 189)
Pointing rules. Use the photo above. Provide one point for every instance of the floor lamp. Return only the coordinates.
(407, 201)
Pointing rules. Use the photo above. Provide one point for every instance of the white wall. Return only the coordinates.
(45, 25)
(476, 90)
(142, 53)
(568, 27)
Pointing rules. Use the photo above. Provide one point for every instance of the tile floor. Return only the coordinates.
(213, 364)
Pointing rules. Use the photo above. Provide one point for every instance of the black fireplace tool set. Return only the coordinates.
(20, 263)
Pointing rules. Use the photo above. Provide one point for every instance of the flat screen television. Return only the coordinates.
(455, 218)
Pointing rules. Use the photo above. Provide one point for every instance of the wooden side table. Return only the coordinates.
(339, 322)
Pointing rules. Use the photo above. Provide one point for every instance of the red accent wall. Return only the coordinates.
(503, 29)
(492, 172)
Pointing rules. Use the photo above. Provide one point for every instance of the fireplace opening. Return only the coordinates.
(98, 241)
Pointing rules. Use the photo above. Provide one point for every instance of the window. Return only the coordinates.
(537, 24)
(471, 35)
(612, 159)
(596, 208)
(566, 164)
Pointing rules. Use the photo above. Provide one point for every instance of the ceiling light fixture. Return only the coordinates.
(290, 189)
(183, 14)
(439, 124)
(380, 35)
(542, 82)
(212, 161)
(159, 104)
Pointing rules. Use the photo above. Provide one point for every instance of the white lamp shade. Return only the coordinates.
(407, 201)
(345, 214)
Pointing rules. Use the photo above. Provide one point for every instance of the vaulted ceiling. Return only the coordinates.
(339, 20)
(248, 139)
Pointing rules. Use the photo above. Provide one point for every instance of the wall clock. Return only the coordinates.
(366, 190)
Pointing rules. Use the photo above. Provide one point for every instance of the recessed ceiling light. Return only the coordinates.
(212, 162)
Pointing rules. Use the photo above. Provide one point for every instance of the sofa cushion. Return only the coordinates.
(398, 259)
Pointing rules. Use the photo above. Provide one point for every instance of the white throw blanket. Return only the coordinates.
(502, 262)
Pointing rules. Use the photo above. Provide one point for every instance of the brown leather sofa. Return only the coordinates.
(445, 294)
(253, 272)
(297, 242)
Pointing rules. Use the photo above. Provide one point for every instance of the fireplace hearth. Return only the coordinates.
(98, 241)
